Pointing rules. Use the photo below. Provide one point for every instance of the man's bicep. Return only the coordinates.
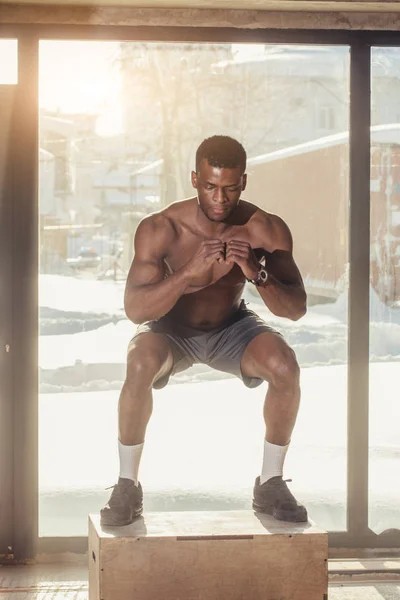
(145, 272)
(148, 262)
(280, 263)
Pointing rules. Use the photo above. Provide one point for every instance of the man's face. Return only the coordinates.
(218, 190)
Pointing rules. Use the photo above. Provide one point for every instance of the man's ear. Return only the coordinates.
(244, 182)
(194, 179)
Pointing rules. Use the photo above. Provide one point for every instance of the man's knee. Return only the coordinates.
(143, 366)
(283, 369)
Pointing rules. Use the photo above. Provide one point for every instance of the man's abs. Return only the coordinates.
(208, 308)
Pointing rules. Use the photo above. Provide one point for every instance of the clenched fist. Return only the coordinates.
(209, 252)
(243, 255)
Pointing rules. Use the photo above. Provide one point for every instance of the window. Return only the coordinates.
(119, 126)
(384, 444)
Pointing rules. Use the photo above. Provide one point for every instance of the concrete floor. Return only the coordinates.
(44, 582)
(365, 591)
(68, 581)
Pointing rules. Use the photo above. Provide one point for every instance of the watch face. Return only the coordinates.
(263, 275)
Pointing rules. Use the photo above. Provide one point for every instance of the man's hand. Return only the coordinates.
(209, 252)
(243, 255)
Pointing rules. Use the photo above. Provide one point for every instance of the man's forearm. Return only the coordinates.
(284, 300)
(154, 300)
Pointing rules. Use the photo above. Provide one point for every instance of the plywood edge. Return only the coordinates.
(206, 524)
(93, 561)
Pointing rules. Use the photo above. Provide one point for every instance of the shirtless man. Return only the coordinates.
(184, 289)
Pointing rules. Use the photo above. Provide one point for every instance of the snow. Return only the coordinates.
(211, 431)
(380, 134)
(89, 334)
(81, 295)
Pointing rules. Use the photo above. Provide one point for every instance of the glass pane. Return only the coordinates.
(8, 61)
(384, 443)
(119, 128)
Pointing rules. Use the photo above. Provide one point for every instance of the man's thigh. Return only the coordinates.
(148, 344)
(229, 346)
(264, 353)
(153, 351)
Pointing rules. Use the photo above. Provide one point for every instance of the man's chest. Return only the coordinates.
(188, 244)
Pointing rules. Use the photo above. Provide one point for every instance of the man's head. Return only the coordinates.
(220, 176)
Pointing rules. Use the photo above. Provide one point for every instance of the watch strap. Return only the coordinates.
(262, 277)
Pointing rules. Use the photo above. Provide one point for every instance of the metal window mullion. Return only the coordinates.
(25, 299)
(7, 94)
(358, 309)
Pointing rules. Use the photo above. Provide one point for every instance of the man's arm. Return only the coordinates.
(283, 293)
(148, 294)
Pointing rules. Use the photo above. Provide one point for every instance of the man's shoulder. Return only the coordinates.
(268, 227)
(168, 216)
(157, 228)
(163, 219)
(180, 209)
(259, 218)
(164, 223)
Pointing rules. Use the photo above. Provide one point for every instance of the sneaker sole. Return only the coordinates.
(270, 510)
(110, 522)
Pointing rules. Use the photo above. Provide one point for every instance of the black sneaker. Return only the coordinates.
(274, 498)
(125, 504)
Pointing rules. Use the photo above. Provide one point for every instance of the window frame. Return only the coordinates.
(23, 280)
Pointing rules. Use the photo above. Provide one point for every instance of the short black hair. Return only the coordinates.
(223, 152)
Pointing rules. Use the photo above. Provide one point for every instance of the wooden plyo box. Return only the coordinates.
(232, 555)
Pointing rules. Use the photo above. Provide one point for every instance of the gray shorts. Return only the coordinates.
(221, 348)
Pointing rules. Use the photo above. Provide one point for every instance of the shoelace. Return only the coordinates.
(287, 494)
(117, 495)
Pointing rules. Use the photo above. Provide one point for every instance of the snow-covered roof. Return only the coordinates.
(44, 155)
(381, 134)
(309, 61)
(122, 177)
(64, 127)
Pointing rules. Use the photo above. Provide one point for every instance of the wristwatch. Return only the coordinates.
(262, 277)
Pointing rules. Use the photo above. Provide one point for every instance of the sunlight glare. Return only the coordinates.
(79, 77)
(109, 123)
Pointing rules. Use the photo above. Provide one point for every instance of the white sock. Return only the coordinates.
(274, 457)
(129, 460)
